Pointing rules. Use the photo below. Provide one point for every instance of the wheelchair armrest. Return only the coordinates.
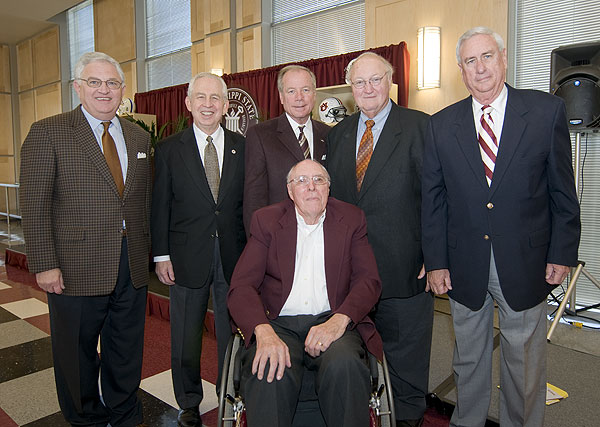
(237, 369)
(374, 370)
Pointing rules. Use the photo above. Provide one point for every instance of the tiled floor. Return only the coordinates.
(27, 389)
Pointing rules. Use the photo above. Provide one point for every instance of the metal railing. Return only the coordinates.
(7, 201)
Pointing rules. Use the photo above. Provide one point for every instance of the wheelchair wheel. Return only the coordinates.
(231, 406)
(381, 402)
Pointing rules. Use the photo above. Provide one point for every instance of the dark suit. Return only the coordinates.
(391, 199)
(73, 220)
(263, 279)
(271, 150)
(529, 215)
(185, 224)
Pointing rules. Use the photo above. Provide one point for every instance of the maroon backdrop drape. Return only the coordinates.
(168, 103)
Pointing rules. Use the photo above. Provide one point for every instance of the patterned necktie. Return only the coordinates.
(303, 143)
(488, 145)
(211, 167)
(365, 150)
(112, 158)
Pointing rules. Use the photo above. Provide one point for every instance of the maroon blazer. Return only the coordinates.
(271, 151)
(263, 277)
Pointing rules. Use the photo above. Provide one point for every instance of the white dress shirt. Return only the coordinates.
(309, 289)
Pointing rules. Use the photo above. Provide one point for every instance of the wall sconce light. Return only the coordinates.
(217, 71)
(428, 60)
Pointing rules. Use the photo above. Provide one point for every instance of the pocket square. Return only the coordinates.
(324, 157)
(141, 155)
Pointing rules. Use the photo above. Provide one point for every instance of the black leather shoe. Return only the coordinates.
(189, 418)
(410, 423)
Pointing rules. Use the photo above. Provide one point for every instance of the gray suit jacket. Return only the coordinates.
(72, 213)
(390, 194)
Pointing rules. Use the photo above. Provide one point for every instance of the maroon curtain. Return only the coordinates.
(168, 103)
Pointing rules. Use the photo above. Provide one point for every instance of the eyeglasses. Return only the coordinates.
(96, 83)
(374, 81)
(304, 180)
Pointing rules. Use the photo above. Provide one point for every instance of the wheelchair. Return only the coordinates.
(231, 412)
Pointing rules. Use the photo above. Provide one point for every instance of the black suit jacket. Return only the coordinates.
(529, 214)
(184, 214)
(271, 150)
(390, 194)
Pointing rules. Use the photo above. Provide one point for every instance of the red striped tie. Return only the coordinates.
(488, 144)
(303, 143)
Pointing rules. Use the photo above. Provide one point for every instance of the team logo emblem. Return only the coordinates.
(242, 112)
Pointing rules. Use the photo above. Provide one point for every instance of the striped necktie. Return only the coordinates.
(488, 145)
(303, 143)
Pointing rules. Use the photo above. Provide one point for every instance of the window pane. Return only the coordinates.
(284, 10)
(168, 26)
(169, 70)
(334, 32)
(80, 24)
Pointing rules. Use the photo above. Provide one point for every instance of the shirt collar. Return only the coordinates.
(303, 225)
(498, 104)
(294, 124)
(201, 135)
(94, 122)
(380, 117)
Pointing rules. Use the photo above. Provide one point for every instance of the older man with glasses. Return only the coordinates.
(300, 296)
(374, 157)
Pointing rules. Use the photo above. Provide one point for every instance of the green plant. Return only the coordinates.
(156, 135)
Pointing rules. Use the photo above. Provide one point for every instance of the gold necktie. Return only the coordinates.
(112, 158)
(211, 167)
(365, 151)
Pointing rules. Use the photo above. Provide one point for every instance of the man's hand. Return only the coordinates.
(321, 336)
(269, 347)
(555, 274)
(51, 281)
(438, 281)
(164, 271)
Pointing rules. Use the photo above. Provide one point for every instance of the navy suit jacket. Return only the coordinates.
(184, 213)
(263, 277)
(530, 214)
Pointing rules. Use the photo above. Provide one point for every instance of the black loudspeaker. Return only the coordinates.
(575, 77)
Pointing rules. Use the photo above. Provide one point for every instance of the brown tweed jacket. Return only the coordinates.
(72, 213)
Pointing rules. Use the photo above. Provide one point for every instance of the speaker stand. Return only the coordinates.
(575, 272)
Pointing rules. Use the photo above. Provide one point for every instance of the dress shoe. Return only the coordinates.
(189, 418)
(410, 423)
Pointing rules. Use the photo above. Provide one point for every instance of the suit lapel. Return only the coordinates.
(511, 135)
(466, 136)
(287, 137)
(286, 249)
(231, 162)
(192, 161)
(319, 147)
(386, 144)
(131, 145)
(84, 136)
(347, 146)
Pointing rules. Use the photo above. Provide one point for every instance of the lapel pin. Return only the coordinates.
(324, 157)
(233, 151)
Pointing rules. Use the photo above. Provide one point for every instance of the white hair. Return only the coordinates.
(473, 32)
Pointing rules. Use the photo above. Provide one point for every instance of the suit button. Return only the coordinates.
(486, 237)
(267, 312)
(217, 212)
(490, 205)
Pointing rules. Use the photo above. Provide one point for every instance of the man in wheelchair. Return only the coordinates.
(300, 297)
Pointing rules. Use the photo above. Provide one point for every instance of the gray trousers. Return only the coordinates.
(341, 380)
(522, 361)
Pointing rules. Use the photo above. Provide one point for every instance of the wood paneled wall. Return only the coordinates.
(220, 43)
(114, 28)
(392, 21)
